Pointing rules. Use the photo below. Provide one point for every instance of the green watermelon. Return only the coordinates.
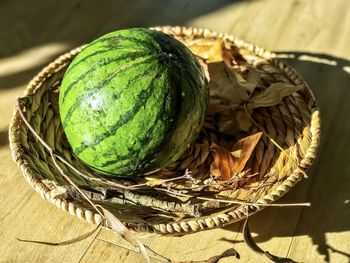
(132, 101)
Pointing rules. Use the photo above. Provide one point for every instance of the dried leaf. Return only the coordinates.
(205, 67)
(246, 146)
(226, 82)
(210, 50)
(63, 243)
(118, 227)
(239, 84)
(220, 85)
(223, 161)
(272, 95)
(237, 153)
(253, 79)
(245, 86)
(228, 164)
(228, 85)
(215, 259)
(228, 253)
(243, 120)
(248, 239)
(228, 56)
(232, 56)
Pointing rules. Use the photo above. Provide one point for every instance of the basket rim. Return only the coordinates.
(190, 225)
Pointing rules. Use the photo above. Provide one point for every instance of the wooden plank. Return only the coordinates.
(101, 251)
(324, 229)
(222, 19)
(307, 25)
(8, 100)
(196, 246)
(25, 215)
(303, 25)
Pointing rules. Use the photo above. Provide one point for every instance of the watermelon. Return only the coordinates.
(132, 101)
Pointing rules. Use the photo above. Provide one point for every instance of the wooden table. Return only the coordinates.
(313, 34)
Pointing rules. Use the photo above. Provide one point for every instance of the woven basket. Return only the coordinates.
(294, 124)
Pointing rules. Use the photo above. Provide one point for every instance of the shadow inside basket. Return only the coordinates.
(159, 199)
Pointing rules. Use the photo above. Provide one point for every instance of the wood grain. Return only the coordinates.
(101, 251)
(324, 229)
(315, 34)
(25, 215)
(197, 246)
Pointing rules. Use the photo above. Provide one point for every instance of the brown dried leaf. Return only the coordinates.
(246, 147)
(228, 56)
(232, 56)
(226, 81)
(205, 67)
(228, 164)
(249, 241)
(223, 161)
(215, 259)
(272, 95)
(228, 85)
(253, 79)
(239, 84)
(220, 85)
(246, 85)
(63, 243)
(243, 120)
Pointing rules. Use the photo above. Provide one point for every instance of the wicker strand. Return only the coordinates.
(300, 110)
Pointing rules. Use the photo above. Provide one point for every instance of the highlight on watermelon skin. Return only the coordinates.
(133, 101)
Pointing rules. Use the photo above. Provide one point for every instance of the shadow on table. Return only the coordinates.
(329, 182)
(55, 27)
(3, 137)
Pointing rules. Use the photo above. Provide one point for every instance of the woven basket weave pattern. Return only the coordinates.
(294, 123)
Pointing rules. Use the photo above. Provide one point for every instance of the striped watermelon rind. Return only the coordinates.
(132, 101)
